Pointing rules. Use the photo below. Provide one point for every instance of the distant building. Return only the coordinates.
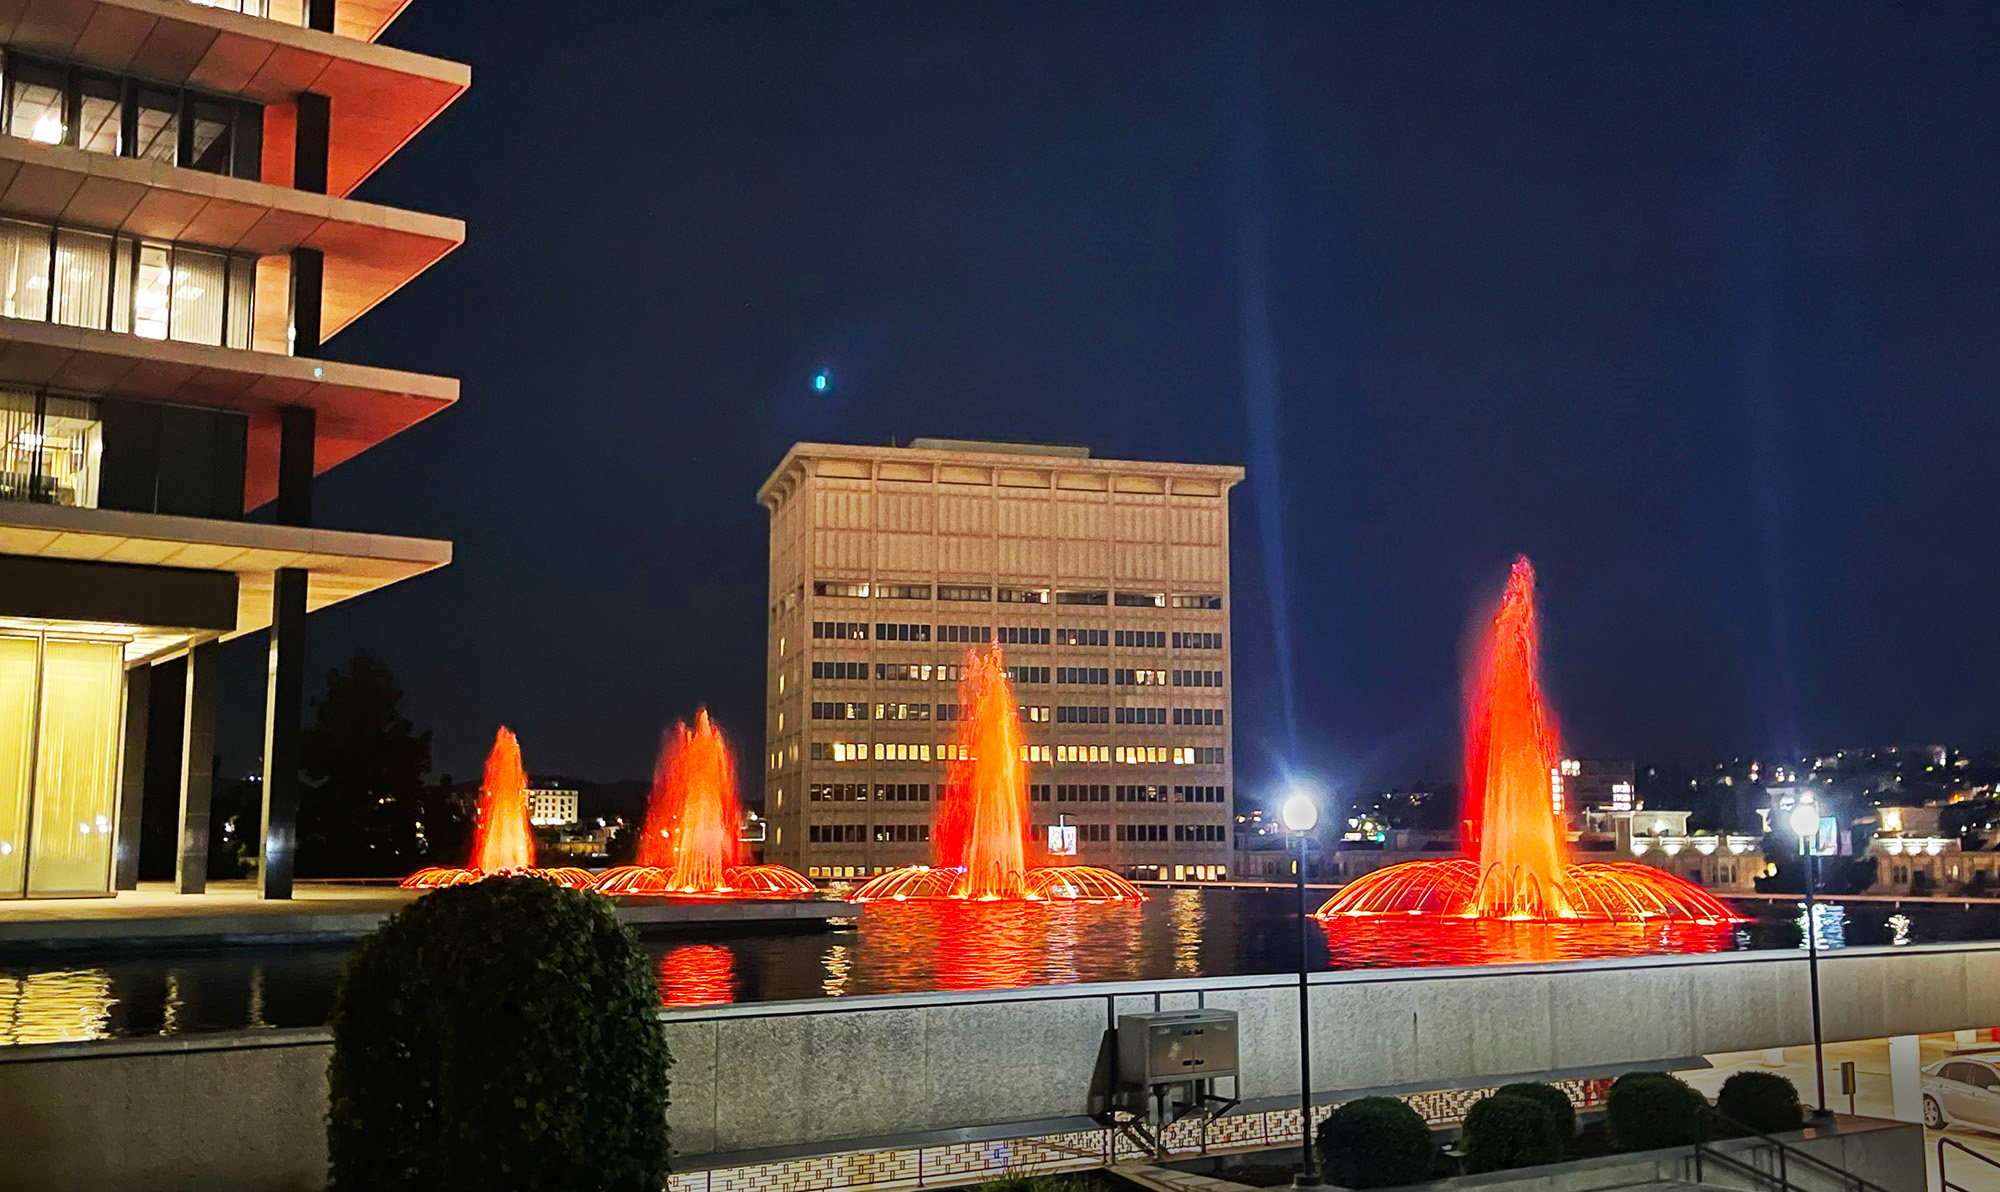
(1104, 581)
(1578, 786)
(552, 808)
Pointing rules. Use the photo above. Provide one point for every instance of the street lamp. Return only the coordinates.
(1805, 826)
(1299, 813)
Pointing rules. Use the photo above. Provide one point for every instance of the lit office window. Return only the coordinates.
(35, 102)
(50, 449)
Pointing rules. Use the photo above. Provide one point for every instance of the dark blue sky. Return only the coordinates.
(1696, 305)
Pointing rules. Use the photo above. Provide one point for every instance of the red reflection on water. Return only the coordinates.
(698, 975)
(959, 944)
(1419, 941)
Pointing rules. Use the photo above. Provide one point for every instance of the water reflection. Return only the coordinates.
(904, 947)
(58, 1006)
(1829, 924)
(1411, 941)
(698, 975)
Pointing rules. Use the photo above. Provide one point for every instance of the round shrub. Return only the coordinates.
(1763, 1101)
(1648, 1110)
(502, 1034)
(1504, 1131)
(1549, 1097)
(1375, 1142)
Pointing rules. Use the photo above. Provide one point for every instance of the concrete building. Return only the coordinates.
(1581, 787)
(1104, 581)
(177, 241)
(552, 808)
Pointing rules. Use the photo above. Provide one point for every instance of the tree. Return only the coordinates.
(366, 809)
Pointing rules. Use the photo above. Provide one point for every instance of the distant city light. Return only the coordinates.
(821, 381)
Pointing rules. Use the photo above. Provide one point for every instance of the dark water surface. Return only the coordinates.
(904, 947)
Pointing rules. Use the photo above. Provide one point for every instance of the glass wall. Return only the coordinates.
(18, 664)
(60, 103)
(51, 448)
(150, 288)
(61, 704)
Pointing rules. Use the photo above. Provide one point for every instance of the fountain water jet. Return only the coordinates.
(980, 839)
(690, 841)
(1520, 871)
(502, 842)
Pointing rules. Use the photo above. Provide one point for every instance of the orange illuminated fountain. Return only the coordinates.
(502, 842)
(981, 835)
(690, 844)
(1516, 868)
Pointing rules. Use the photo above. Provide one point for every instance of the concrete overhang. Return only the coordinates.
(371, 251)
(343, 564)
(358, 405)
(379, 97)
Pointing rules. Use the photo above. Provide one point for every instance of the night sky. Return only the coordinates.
(1695, 305)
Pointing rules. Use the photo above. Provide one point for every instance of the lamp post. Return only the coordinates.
(1299, 814)
(1805, 825)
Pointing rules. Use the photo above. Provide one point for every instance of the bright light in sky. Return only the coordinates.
(821, 381)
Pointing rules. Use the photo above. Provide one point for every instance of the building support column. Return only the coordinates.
(284, 708)
(197, 769)
(308, 280)
(1906, 1082)
(132, 778)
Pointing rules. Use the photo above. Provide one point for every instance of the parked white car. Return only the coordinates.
(1962, 1091)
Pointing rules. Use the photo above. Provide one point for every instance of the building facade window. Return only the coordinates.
(1197, 678)
(1142, 794)
(1197, 641)
(1142, 755)
(902, 751)
(1141, 716)
(835, 833)
(902, 833)
(1034, 713)
(1198, 833)
(903, 792)
(836, 587)
(839, 751)
(1021, 595)
(903, 591)
(1082, 597)
(849, 631)
(1082, 637)
(891, 631)
(1197, 601)
(1028, 675)
(1021, 635)
(1081, 753)
(1140, 678)
(1089, 676)
(50, 449)
(150, 288)
(1141, 833)
(1083, 793)
(1197, 716)
(58, 103)
(971, 634)
(840, 670)
(964, 592)
(834, 710)
(1140, 639)
(902, 711)
(1079, 714)
(1199, 794)
(1198, 755)
(837, 792)
(1140, 600)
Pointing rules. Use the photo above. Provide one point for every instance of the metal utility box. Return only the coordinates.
(1176, 1045)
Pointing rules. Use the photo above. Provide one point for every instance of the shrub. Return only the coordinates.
(1375, 1142)
(1041, 1183)
(1764, 1101)
(1648, 1110)
(498, 1035)
(1504, 1131)
(1549, 1097)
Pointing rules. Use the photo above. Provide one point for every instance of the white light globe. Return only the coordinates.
(1299, 813)
(1805, 820)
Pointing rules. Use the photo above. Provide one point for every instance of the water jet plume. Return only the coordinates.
(1516, 865)
(502, 840)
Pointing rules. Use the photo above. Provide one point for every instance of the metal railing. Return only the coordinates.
(1944, 1181)
(1787, 1155)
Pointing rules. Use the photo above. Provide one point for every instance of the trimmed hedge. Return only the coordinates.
(1376, 1142)
(1648, 1110)
(1764, 1101)
(503, 1034)
(1504, 1131)
(1561, 1111)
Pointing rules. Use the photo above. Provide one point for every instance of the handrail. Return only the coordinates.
(1944, 1184)
(1786, 1153)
